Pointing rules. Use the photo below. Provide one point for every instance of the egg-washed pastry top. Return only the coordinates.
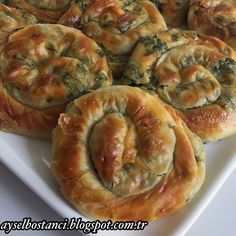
(42, 68)
(174, 11)
(119, 154)
(196, 74)
(45, 10)
(116, 25)
(12, 19)
(215, 17)
(72, 16)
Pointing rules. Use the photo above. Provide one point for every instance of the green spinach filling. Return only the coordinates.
(153, 44)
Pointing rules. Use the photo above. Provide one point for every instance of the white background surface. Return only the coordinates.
(18, 201)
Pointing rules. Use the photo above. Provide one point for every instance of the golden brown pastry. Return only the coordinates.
(215, 17)
(174, 11)
(194, 73)
(12, 19)
(119, 154)
(45, 10)
(42, 68)
(117, 26)
(72, 16)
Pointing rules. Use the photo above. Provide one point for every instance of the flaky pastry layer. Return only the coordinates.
(194, 73)
(215, 17)
(48, 11)
(42, 68)
(12, 19)
(115, 25)
(119, 154)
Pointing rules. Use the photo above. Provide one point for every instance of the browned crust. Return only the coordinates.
(50, 16)
(114, 42)
(12, 21)
(174, 11)
(215, 18)
(17, 118)
(73, 168)
(211, 120)
(31, 102)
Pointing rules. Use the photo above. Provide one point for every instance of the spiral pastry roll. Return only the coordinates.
(215, 17)
(119, 154)
(42, 68)
(12, 19)
(195, 74)
(117, 26)
(174, 11)
(45, 10)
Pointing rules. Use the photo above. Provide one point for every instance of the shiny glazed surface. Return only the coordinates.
(119, 154)
(194, 73)
(43, 67)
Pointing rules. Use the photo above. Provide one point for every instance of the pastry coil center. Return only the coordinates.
(185, 76)
(120, 154)
(125, 164)
(122, 22)
(116, 16)
(215, 17)
(44, 67)
(193, 73)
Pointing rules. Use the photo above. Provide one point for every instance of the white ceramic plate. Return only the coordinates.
(30, 160)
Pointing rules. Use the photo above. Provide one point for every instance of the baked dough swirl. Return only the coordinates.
(119, 154)
(174, 11)
(194, 73)
(215, 17)
(12, 19)
(42, 68)
(117, 26)
(45, 10)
